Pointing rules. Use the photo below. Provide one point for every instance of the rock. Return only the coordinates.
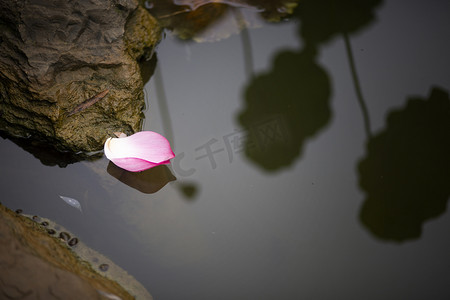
(37, 266)
(54, 55)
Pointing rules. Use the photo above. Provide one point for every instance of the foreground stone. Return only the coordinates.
(35, 265)
(55, 54)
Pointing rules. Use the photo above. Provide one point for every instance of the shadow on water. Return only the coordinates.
(147, 67)
(47, 154)
(284, 108)
(406, 171)
(153, 180)
(188, 189)
(148, 182)
(323, 20)
(297, 90)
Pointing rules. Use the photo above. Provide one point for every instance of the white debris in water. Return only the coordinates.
(72, 202)
(108, 295)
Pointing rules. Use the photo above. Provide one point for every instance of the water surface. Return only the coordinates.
(311, 163)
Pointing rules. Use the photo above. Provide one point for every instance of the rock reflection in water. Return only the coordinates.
(48, 155)
(215, 20)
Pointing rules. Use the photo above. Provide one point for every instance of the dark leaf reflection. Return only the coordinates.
(406, 172)
(297, 89)
(296, 93)
(322, 20)
(148, 182)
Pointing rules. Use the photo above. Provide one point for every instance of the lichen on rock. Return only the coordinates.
(56, 54)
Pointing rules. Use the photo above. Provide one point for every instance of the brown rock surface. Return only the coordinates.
(56, 54)
(35, 265)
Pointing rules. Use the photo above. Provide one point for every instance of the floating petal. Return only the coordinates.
(72, 202)
(140, 151)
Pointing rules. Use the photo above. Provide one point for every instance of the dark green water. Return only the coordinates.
(311, 164)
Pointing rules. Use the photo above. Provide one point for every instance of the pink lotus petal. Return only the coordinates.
(140, 151)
